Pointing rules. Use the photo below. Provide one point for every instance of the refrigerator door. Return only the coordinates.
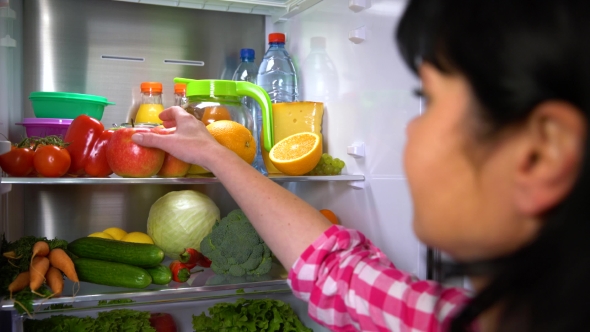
(347, 58)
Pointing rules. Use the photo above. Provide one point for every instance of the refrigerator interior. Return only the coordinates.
(89, 47)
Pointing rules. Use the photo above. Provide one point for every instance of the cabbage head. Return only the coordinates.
(181, 219)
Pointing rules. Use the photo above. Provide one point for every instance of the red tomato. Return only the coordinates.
(51, 160)
(162, 322)
(18, 161)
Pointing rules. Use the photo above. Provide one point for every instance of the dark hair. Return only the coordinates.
(517, 54)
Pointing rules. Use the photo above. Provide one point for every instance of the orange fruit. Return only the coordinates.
(215, 113)
(297, 154)
(235, 137)
(330, 215)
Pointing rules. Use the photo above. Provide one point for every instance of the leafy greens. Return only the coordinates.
(250, 316)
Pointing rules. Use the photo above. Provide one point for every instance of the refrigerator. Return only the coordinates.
(107, 48)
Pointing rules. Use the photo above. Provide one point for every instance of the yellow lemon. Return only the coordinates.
(137, 237)
(297, 154)
(115, 232)
(102, 235)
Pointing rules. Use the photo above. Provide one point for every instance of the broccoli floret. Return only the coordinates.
(235, 248)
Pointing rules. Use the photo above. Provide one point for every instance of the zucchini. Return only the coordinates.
(161, 274)
(138, 254)
(111, 273)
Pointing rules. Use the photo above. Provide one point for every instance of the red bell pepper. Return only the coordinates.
(180, 272)
(96, 164)
(81, 136)
(190, 257)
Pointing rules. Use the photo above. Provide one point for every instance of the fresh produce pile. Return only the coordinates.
(33, 267)
(250, 316)
(117, 263)
(235, 248)
(108, 321)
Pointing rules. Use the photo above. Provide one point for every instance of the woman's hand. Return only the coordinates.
(190, 142)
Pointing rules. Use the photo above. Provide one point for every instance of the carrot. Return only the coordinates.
(11, 255)
(41, 248)
(38, 270)
(61, 260)
(20, 282)
(55, 280)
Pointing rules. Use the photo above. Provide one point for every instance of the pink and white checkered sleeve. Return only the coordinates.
(352, 286)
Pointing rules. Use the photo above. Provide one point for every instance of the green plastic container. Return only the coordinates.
(65, 105)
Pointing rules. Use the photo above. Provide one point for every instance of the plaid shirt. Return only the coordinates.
(350, 285)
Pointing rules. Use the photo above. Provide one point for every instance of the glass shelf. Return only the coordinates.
(278, 9)
(202, 286)
(154, 180)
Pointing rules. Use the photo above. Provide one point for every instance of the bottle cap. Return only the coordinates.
(180, 88)
(276, 37)
(247, 53)
(151, 87)
(318, 42)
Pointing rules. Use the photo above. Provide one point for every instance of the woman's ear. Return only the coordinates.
(548, 167)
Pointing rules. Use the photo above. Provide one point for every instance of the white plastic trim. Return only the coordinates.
(358, 35)
(359, 5)
(356, 150)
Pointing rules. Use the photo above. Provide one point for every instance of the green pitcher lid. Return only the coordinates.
(208, 87)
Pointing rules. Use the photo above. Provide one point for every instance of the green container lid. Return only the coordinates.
(71, 96)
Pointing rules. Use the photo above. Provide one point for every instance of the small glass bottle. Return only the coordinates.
(151, 103)
(180, 94)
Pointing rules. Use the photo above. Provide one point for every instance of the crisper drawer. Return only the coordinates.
(182, 309)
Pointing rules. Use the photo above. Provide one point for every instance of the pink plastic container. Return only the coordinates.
(41, 127)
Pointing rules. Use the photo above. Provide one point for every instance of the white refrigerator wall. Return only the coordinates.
(372, 106)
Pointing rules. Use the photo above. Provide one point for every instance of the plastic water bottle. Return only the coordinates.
(320, 78)
(247, 71)
(276, 73)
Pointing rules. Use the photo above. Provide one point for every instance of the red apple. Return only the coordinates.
(128, 159)
(162, 322)
(172, 167)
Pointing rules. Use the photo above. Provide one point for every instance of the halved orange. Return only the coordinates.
(297, 154)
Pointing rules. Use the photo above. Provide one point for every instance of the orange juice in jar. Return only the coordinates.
(151, 103)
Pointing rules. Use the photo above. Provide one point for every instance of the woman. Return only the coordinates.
(507, 86)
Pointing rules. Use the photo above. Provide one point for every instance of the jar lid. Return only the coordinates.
(151, 87)
(180, 88)
(276, 37)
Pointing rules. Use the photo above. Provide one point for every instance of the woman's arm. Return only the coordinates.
(286, 223)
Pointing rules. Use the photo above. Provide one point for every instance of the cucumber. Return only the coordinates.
(161, 274)
(138, 254)
(111, 273)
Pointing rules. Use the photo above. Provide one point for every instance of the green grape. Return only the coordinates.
(329, 170)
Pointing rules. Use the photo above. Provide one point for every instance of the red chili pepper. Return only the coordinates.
(204, 262)
(97, 164)
(82, 134)
(180, 272)
(190, 257)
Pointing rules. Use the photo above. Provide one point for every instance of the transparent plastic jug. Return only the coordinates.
(212, 100)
